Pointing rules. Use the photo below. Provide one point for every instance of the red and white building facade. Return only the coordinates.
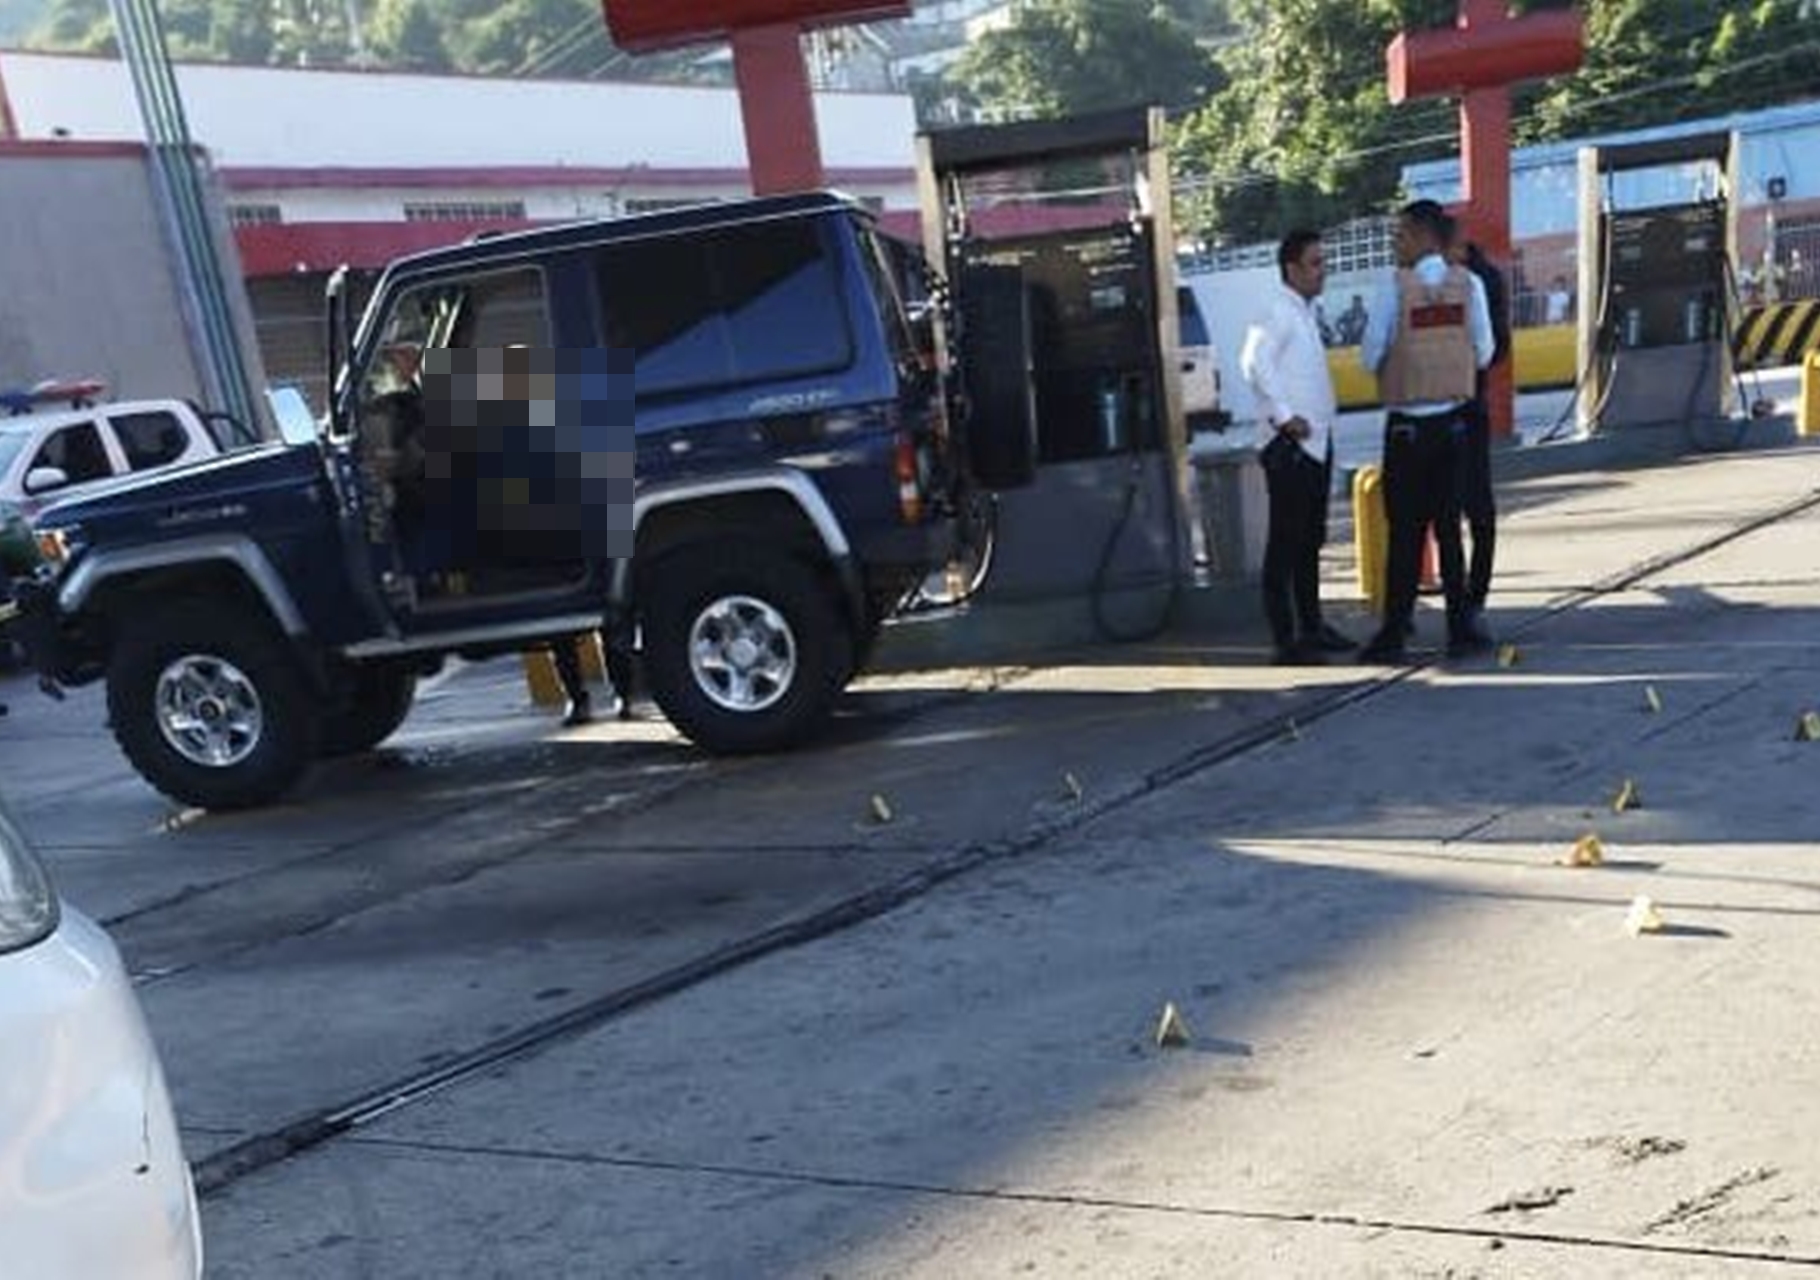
(322, 168)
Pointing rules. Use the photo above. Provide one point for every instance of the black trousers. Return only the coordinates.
(566, 655)
(1421, 488)
(1476, 501)
(1292, 553)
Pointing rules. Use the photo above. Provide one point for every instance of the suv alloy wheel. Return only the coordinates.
(745, 650)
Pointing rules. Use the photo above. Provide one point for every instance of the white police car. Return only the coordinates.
(62, 438)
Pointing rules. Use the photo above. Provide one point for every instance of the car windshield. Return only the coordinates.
(12, 443)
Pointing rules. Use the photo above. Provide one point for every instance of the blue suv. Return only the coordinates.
(722, 434)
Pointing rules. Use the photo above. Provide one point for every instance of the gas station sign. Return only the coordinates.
(640, 26)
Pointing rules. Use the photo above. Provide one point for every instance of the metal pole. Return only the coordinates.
(178, 182)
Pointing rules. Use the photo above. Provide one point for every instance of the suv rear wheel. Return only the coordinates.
(745, 650)
(376, 702)
(211, 706)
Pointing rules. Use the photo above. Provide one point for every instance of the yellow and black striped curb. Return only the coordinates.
(1777, 333)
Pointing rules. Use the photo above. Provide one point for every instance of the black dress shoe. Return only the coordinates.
(1467, 643)
(1330, 640)
(1295, 655)
(1385, 649)
(1469, 636)
(580, 711)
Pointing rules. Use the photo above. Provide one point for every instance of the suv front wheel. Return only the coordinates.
(745, 651)
(211, 706)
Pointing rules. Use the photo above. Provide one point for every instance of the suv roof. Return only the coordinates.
(572, 235)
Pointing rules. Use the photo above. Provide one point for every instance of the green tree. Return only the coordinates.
(19, 18)
(241, 31)
(186, 27)
(1304, 131)
(1659, 61)
(80, 26)
(527, 35)
(406, 34)
(310, 33)
(1063, 57)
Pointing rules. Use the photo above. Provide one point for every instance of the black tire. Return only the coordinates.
(230, 653)
(697, 587)
(377, 701)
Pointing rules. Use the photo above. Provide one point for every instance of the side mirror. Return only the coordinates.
(39, 479)
(998, 376)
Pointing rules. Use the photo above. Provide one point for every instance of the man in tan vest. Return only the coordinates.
(1427, 338)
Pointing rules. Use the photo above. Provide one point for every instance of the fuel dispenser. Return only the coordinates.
(1062, 229)
(1654, 279)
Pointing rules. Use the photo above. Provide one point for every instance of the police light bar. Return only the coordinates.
(79, 393)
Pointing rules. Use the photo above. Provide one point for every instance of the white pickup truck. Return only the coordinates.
(47, 455)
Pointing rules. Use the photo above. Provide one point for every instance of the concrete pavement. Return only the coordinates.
(1404, 1015)
(1419, 1046)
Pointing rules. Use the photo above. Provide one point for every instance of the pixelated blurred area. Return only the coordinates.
(527, 452)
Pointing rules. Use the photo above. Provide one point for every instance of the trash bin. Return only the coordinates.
(1807, 421)
(1234, 506)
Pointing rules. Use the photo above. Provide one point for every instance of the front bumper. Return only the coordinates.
(93, 1181)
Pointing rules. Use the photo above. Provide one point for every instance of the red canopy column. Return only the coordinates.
(1477, 61)
(782, 143)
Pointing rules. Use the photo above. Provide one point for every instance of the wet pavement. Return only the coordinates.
(760, 1032)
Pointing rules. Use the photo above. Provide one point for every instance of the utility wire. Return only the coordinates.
(570, 41)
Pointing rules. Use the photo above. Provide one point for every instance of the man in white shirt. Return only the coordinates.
(1559, 303)
(1285, 362)
(1426, 341)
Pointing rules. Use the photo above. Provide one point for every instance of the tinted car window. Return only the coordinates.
(1194, 328)
(77, 452)
(150, 439)
(12, 444)
(495, 310)
(742, 305)
(504, 310)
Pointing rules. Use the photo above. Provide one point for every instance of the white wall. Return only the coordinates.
(91, 280)
(257, 116)
(386, 204)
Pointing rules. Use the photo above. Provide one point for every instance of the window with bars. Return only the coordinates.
(466, 211)
(657, 204)
(1797, 259)
(1365, 244)
(254, 215)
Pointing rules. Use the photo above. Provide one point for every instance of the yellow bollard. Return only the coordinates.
(540, 671)
(1807, 421)
(1370, 535)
